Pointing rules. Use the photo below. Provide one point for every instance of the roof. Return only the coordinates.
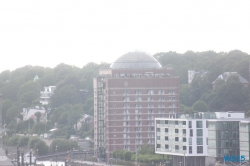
(135, 60)
(226, 75)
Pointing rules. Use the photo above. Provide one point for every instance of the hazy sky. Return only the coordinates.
(75, 32)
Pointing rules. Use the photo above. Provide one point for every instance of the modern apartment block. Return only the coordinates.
(128, 96)
(184, 138)
(218, 135)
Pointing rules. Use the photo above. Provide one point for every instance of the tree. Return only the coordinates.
(67, 94)
(33, 141)
(75, 114)
(38, 116)
(13, 112)
(23, 141)
(62, 145)
(41, 148)
(200, 106)
(38, 128)
(30, 86)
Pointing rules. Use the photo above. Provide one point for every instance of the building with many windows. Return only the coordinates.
(204, 138)
(128, 96)
(184, 138)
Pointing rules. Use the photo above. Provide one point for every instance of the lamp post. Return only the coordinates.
(115, 158)
(56, 155)
(184, 164)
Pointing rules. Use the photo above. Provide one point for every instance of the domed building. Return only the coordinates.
(128, 97)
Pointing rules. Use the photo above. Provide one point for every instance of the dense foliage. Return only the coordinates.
(72, 98)
(229, 95)
(144, 155)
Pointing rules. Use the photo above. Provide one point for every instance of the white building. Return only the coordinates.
(183, 138)
(46, 94)
(203, 138)
(30, 113)
(193, 73)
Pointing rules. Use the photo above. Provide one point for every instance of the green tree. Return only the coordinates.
(62, 145)
(13, 112)
(67, 94)
(200, 106)
(22, 141)
(38, 116)
(38, 128)
(41, 148)
(33, 141)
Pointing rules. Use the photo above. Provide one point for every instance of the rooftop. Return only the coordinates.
(135, 60)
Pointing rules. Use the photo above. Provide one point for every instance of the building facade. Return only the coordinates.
(46, 94)
(128, 96)
(204, 138)
(183, 138)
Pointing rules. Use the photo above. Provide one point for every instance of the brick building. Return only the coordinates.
(128, 96)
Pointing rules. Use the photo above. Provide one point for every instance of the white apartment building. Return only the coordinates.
(46, 94)
(204, 139)
(184, 138)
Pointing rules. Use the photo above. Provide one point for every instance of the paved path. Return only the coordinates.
(93, 163)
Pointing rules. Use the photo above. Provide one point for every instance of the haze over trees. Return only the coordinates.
(73, 96)
(228, 95)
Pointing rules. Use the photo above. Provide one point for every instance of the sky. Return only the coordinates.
(75, 32)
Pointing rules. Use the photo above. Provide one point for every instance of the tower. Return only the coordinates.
(128, 96)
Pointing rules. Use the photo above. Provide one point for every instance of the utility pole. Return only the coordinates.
(1, 118)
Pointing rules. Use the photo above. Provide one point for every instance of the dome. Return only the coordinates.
(135, 60)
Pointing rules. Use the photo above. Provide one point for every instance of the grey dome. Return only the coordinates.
(135, 60)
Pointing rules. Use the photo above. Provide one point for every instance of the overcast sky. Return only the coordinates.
(75, 32)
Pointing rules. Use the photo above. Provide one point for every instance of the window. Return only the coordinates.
(158, 137)
(183, 122)
(190, 141)
(198, 124)
(190, 124)
(190, 149)
(199, 141)
(176, 147)
(199, 132)
(158, 146)
(166, 121)
(191, 132)
(166, 130)
(176, 138)
(166, 138)
(166, 146)
(184, 139)
(158, 129)
(199, 149)
(176, 122)
(176, 131)
(184, 148)
(184, 131)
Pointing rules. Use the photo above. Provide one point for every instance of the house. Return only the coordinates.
(87, 119)
(193, 73)
(29, 113)
(226, 75)
(46, 94)
(36, 78)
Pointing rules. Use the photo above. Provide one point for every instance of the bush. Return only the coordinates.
(23, 141)
(33, 141)
(13, 141)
